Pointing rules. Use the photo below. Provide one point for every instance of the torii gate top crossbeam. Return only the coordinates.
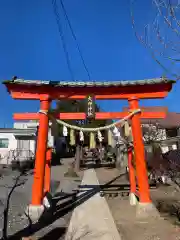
(39, 90)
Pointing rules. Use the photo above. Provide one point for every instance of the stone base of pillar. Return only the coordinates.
(146, 210)
(34, 212)
(132, 199)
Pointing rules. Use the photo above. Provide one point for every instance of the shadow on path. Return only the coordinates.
(58, 211)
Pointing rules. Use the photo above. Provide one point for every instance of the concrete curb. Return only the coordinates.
(92, 219)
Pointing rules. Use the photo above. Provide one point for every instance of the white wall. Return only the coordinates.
(33, 145)
(31, 124)
(4, 152)
(20, 125)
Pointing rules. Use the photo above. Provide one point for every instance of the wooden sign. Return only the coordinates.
(90, 114)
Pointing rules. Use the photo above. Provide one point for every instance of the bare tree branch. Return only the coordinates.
(159, 32)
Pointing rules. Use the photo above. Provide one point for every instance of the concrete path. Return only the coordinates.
(92, 219)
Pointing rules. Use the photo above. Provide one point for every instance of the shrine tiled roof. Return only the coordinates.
(121, 83)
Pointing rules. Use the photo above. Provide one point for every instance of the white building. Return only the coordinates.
(19, 143)
(16, 144)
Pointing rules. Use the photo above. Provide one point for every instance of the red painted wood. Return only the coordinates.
(81, 116)
(40, 92)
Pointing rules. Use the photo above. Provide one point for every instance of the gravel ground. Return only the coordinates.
(18, 200)
(21, 197)
(129, 227)
(167, 201)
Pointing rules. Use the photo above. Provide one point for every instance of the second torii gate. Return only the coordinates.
(46, 91)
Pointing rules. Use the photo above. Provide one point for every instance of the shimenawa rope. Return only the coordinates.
(92, 129)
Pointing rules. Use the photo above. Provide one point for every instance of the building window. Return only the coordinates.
(171, 132)
(4, 143)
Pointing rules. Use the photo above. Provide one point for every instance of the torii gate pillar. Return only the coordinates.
(36, 208)
(145, 205)
(141, 169)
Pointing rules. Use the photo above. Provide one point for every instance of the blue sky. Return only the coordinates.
(30, 48)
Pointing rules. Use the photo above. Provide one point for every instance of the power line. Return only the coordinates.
(75, 38)
(60, 29)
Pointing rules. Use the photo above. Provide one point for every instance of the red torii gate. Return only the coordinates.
(46, 91)
(82, 116)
